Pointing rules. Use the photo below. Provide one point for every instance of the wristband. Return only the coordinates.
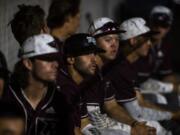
(134, 123)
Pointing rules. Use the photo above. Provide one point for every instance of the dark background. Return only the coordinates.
(118, 10)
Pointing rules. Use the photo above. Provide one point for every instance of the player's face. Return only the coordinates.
(162, 32)
(110, 43)
(143, 50)
(44, 70)
(11, 126)
(86, 64)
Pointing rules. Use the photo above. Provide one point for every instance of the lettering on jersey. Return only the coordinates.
(50, 110)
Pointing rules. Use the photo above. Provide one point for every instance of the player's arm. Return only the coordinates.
(117, 112)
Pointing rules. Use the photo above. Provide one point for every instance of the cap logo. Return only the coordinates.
(38, 45)
(91, 40)
(54, 44)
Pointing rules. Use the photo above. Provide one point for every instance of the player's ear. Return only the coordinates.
(28, 64)
(45, 28)
(133, 42)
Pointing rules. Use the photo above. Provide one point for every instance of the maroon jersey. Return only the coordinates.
(123, 77)
(50, 117)
(157, 64)
(163, 65)
(97, 90)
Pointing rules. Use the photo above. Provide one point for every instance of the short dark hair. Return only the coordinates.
(10, 110)
(28, 21)
(59, 11)
(20, 74)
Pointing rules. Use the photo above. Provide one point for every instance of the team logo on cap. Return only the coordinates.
(91, 40)
(53, 44)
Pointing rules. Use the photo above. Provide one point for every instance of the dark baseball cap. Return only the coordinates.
(161, 20)
(161, 16)
(81, 44)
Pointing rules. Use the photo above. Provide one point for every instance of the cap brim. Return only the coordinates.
(92, 50)
(49, 57)
(150, 33)
(109, 32)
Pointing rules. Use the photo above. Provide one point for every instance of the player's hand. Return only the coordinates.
(142, 129)
(176, 115)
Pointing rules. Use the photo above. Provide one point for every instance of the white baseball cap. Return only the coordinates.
(102, 26)
(42, 45)
(134, 27)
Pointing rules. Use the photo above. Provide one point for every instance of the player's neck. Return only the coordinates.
(133, 57)
(35, 91)
(59, 33)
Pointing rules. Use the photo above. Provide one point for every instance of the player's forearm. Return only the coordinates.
(118, 113)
